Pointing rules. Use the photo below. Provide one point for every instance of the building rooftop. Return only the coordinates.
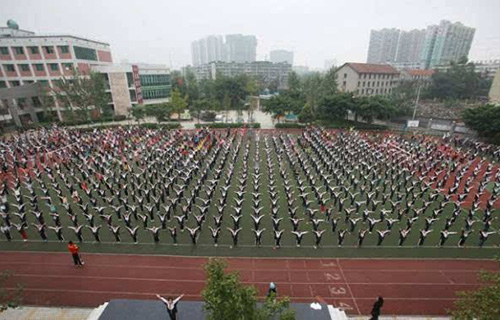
(418, 72)
(9, 33)
(371, 68)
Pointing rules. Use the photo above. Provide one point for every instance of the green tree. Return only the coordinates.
(138, 113)
(460, 81)
(9, 299)
(335, 106)
(226, 298)
(483, 303)
(307, 114)
(178, 103)
(161, 112)
(84, 94)
(485, 120)
(294, 83)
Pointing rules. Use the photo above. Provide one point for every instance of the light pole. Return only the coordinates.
(416, 101)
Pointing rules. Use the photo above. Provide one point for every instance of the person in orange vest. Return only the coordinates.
(73, 248)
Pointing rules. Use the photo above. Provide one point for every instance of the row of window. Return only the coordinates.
(37, 67)
(374, 91)
(155, 79)
(376, 76)
(17, 83)
(156, 93)
(33, 50)
(376, 84)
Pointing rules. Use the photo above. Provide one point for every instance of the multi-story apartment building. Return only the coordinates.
(420, 49)
(241, 48)
(277, 56)
(141, 84)
(365, 79)
(263, 71)
(383, 45)
(208, 49)
(445, 43)
(26, 57)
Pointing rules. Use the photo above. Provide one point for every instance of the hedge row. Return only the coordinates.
(221, 125)
(170, 125)
(289, 126)
(82, 122)
(351, 124)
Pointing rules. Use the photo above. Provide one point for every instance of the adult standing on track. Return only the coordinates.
(376, 308)
(73, 248)
(171, 305)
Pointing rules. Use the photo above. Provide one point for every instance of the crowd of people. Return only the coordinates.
(248, 188)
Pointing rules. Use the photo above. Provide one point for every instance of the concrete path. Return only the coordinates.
(41, 313)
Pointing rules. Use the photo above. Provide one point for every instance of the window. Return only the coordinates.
(49, 50)
(368, 84)
(370, 76)
(34, 50)
(64, 49)
(10, 68)
(359, 83)
(28, 81)
(54, 67)
(363, 91)
(130, 79)
(344, 84)
(4, 51)
(85, 53)
(39, 67)
(18, 50)
(25, 67)
(132, 95)
(345, 75)
(3, 84)
(378, 83)
(67, 66)
(14, 84)
(21, 103)
(364, 83)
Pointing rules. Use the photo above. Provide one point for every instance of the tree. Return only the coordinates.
(460, 81)
(307, 114)
(10, 299)
(226, 298)
(178, 103)
(484, 303)
(335, 106)
(485, 120)
(83, 93)
(138, 113)
(159, 111)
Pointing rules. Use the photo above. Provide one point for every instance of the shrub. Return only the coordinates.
(221, 125)
(289, 126)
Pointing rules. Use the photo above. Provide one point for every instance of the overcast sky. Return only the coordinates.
(161, 31)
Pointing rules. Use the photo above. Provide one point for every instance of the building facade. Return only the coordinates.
(421, 49)
(365, 79)
(241, 48)
(139, 84)
(445, 43)
(487, 68)
(208, 49)
(26, 57)
(263, 71)
(277, 56)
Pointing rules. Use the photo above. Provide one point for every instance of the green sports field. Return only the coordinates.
(246, 245)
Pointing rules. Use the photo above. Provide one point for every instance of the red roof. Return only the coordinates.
(417, 72)
(371, 68)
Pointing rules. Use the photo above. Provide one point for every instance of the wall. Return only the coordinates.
(119, 90)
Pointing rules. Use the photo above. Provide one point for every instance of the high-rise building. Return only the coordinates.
(445, 43)
(241, 48)
(277, 56)
(264, 72)
(208, 49)
(409, 47)
(383, 45)
(420, 49)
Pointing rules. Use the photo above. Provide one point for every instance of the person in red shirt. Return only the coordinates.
(73, 248)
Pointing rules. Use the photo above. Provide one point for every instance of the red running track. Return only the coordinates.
(409, 287)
